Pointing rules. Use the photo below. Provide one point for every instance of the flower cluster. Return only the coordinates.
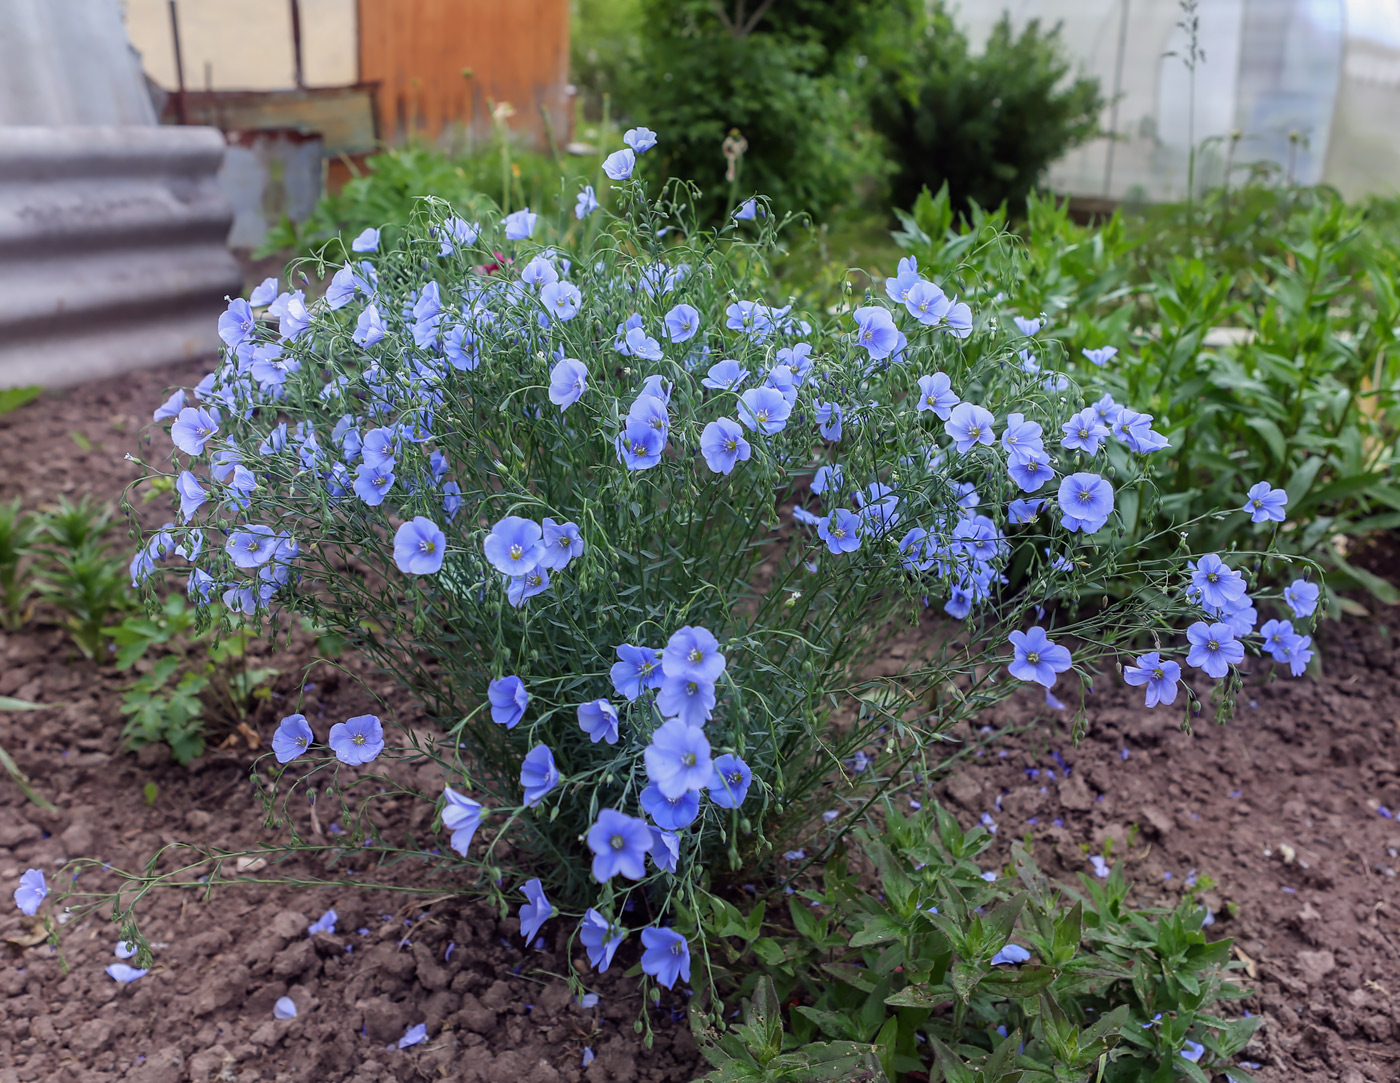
(627, 528)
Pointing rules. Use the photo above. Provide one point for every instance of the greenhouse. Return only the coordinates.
(1306, 89)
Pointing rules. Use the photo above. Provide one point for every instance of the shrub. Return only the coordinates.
(986, 125)
(780, 76)
(530, 484)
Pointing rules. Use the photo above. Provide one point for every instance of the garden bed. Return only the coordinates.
(1302, 770)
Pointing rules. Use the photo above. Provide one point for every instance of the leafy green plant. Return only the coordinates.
(159, 710)
(199, 679)
(922, 972)
(18, 532)
(79, 573)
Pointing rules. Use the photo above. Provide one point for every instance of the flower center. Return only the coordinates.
(1211, 577)
(691, 688)
(358, 739)
(695, 655)
(516, 552)
(617, 842)
(1157, 673)
(731, 445)
(763, 415)
(677, 948)
(974, 432)
(426, 546)
(688, 759)
(638, 448)
(734, 778)
(1213, 645)
(1033, 657)
(301, 742)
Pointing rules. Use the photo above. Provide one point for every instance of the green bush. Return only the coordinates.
(986, 125)
(787, 84)
(913, 979)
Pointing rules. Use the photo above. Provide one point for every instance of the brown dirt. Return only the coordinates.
(1305, 765)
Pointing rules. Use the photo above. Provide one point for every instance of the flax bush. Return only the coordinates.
(637, 536)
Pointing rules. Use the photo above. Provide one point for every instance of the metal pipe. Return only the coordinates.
(179, 66)
(297, 72)
(1117, 93)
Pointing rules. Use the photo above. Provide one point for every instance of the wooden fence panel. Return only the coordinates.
(439, 63)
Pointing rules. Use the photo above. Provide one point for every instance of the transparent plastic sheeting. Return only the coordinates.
(1308, 90)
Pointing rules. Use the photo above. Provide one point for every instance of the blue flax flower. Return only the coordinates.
(414, 1035)
(693, 653)
(561, 300)
(567, 381)
(671, 813)
(32, 891)
(1037, 658)
(936, 394)
(729, 784)
(829, 416)
(678, 758)
(1159, 674)
(372, 483)
(619, 164)
(1217, 585)
(639, 445)
(1023, 511)
(637, 669)
(458, 231)
(723, 445)
(171, 407)
(725, 375)
(324, 924)
(1301, 597)
(357, 740)
(519, 225)
(1022, 438)
(514, 546)
(192, 494)
(253, 547)
(693, 702)
(682, 322)
(1213, 648)
(1277, 634)
(665, 849)
(1030, 470)
(538, 774)
(1086, 501)
(876, 331)
(237, 324)
(124, 974)
(508, 700)
(600, 939)
(265, 292)
(293, 737)
(598, 719)
(969, 425)
(619, 844)
(370, 328)
(1265, 505)
(585, 203)
(840, 530)
(284, 1008)
(535, 912)
(927, 303)
(562, 544)
(1011, 955)
(828, 477)
(461, 816)
(764, 409)
(193, 428)
(419, 546)
(366, 241)
(667, 956)
(1298, 653)
(1085, 432)
(1102, 356)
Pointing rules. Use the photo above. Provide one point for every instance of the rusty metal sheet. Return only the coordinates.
(112, 250)
(343, 116)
